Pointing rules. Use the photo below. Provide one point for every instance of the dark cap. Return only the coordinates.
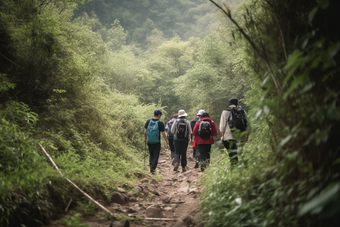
(157, 112)
(233, 101)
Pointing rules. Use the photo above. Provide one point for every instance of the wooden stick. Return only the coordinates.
(101, 206)
(160, 219)
(69, 203)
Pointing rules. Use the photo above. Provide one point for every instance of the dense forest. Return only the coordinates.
(82, 77)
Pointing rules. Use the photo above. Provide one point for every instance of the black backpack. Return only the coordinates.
(170, 134)
(237, 119)
(182, 128)
(204, 130)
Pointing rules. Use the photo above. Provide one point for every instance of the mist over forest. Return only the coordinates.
(79, 79)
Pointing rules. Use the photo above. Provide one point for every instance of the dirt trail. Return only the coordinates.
(173, 198)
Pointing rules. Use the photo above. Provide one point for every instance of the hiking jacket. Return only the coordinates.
(174, 127)
(167, 129)
(199, 140)
(224, 125)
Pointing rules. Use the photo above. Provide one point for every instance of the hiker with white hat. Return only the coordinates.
(196, 153)
(182, 136)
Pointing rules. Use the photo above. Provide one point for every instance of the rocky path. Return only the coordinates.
(171, 201)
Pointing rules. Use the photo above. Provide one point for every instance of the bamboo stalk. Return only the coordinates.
(101, 206)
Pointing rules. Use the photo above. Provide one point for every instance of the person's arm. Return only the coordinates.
(213, 128)
(190, 132)
(223, 123)
(174, 127)
(195, 132)
(166, 139)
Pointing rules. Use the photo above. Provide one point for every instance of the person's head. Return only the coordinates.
(174, 116)
(205, 115)
(200, 112)
(182, 114)
(233, 101)
(157, 114)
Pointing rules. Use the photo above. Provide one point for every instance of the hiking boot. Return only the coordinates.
(153, 172)
(176, 166)
(173, 162)
(197, 164)
(183, 169)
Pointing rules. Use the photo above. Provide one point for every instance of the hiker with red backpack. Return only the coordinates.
(196, 153)
(171, 137)
(182, 136)
(152, 136)
(204, 131)
(234, 118)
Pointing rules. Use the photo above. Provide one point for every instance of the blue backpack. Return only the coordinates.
(152, 132)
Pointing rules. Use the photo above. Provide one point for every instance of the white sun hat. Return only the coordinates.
(182, 113)
(200, 112)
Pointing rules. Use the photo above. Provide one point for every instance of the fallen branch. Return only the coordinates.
(160, 219)
(101, 206)
(69, 203)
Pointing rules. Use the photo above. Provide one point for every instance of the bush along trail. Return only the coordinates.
(169, 198)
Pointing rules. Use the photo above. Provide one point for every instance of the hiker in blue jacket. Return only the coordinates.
(152, 137)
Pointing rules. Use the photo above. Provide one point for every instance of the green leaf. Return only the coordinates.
(312, 14)
(317, 203)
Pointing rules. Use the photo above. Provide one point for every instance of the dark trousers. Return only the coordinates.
(172, 148)
(196, 153)
(231, 147)
(204, 151)
(181, 147)
(154, 150)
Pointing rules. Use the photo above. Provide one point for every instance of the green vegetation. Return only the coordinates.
(288, 173)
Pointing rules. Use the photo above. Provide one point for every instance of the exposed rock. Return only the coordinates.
(154, 181)
(190, 159)
(143, 181)
(115, 206)
(187, 173)
(166, 199)
(183, 189)
(167, 208)
(124, 223)
(117, 197)
(167, 184)
(163, 161)
(139, 188)
(179, 223)
(188, 220)
(193, 189)
(132, 199)
(121, 190)
(131, 210)
(129, 194)
(154, 211)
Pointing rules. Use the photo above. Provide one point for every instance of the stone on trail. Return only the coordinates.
(179, 223)
(139, 188)
(188, 220)
(183, 189)
(154, 211)
(193, 189)
(187, 173)
(124, 223)
(117, 197)
(121, 190)
(190, 159)
(166, 199)
(154, 181)
(167, 208)
(163, 161)
(167, 184)
(144, 180)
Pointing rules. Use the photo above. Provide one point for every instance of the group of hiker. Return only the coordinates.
(178, 133)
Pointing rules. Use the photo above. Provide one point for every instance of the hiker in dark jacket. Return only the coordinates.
(182, 136)
(228, 138)
(204, 144)
(153, 138)
(171, 137)
(196, 153)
